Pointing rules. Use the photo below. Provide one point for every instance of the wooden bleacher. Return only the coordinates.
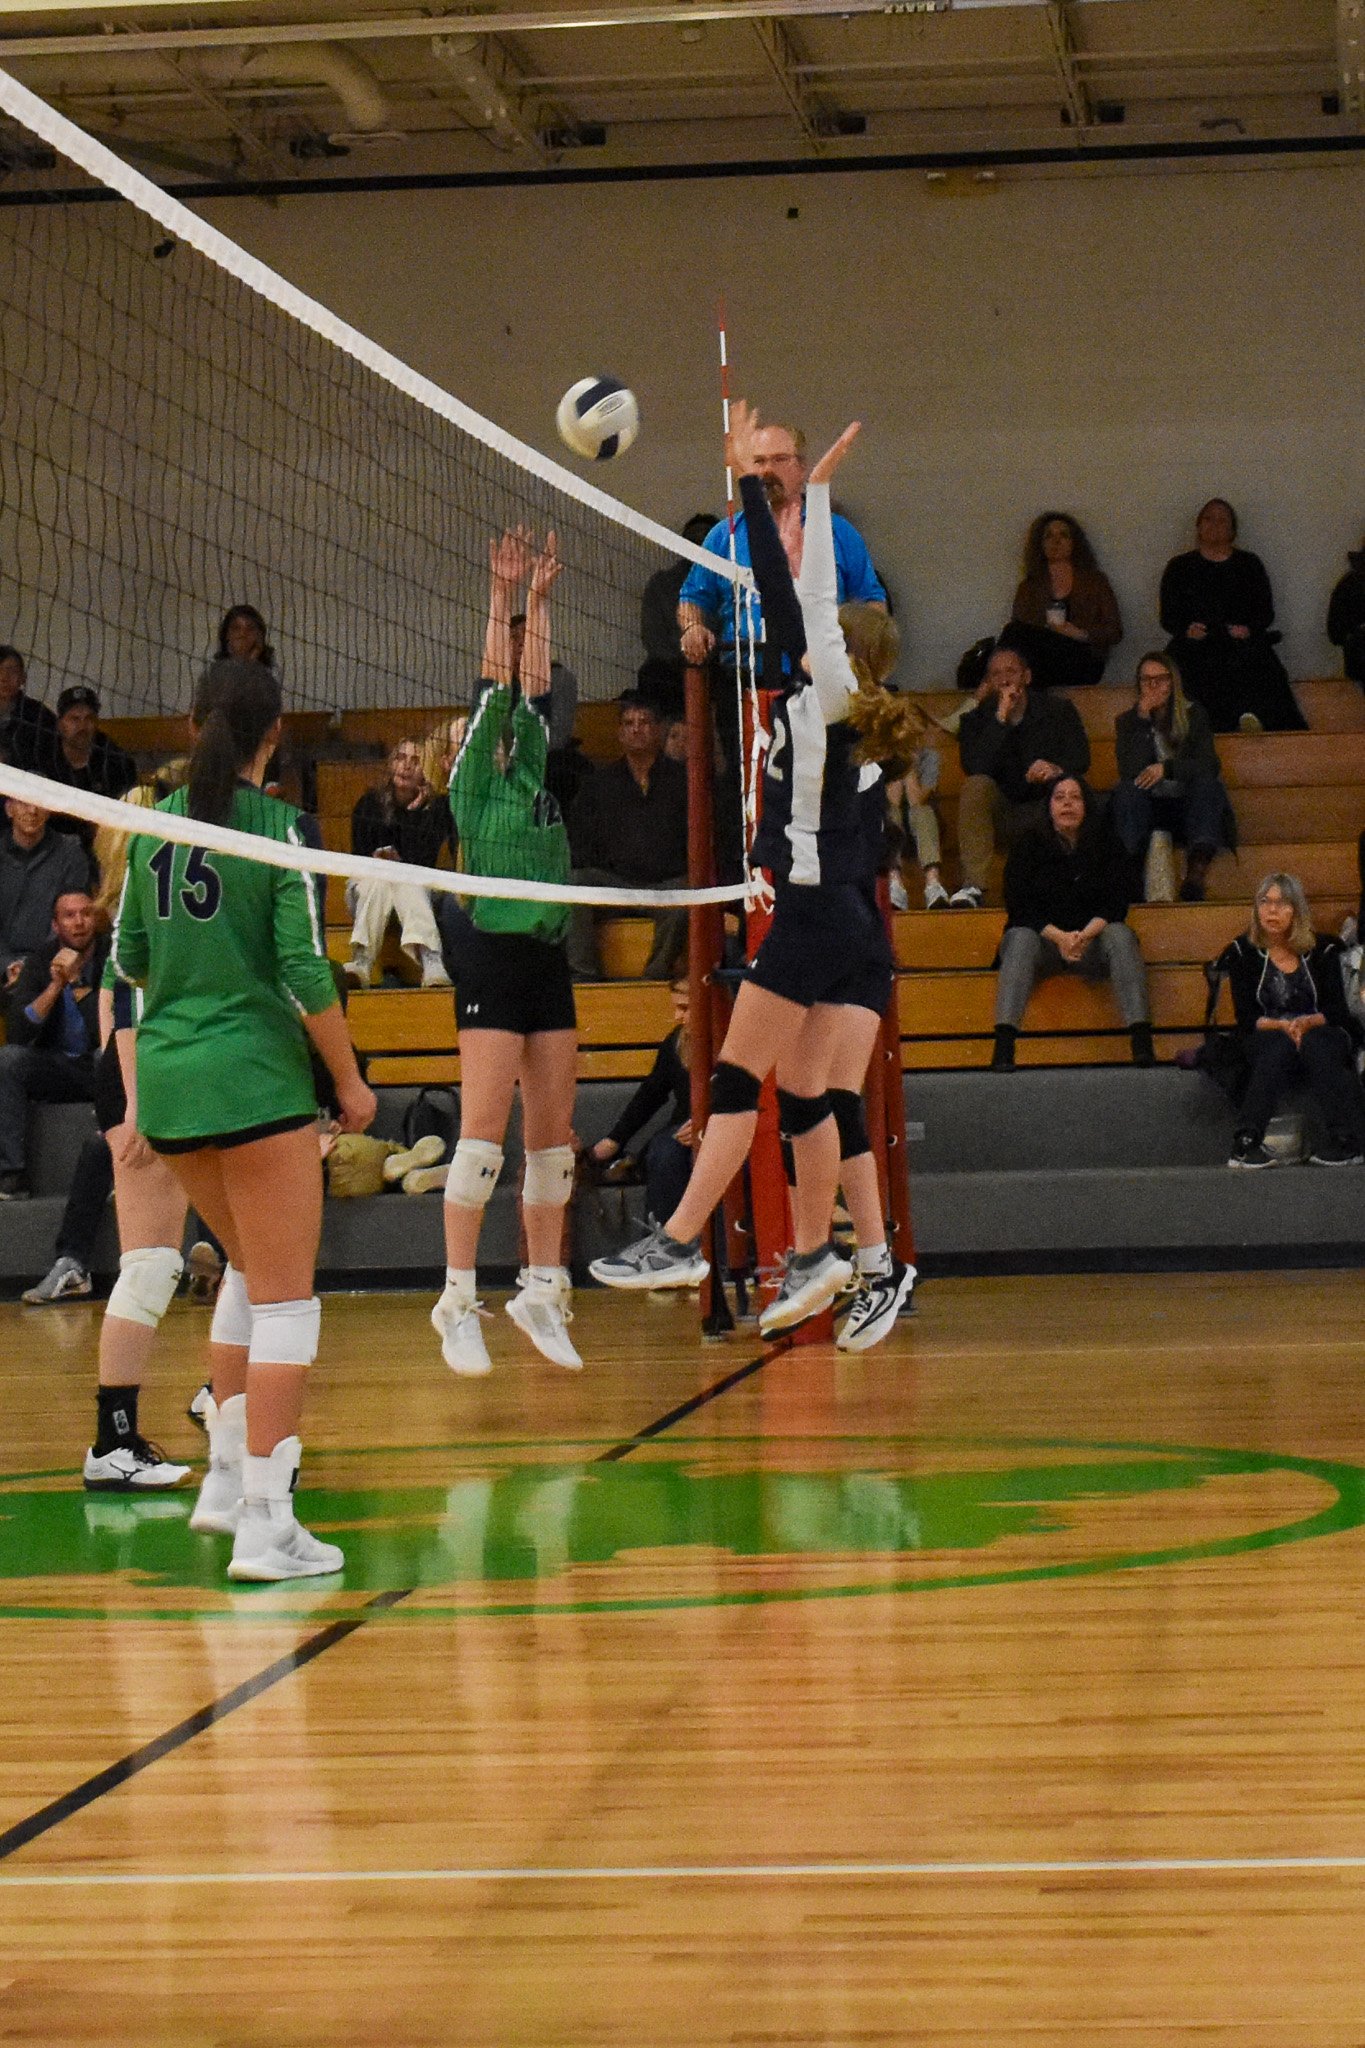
(1299, 799)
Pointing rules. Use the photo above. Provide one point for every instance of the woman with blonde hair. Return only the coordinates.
(1292, 1018)
(1170, 781)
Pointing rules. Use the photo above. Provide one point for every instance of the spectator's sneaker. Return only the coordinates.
(968, 897)
(654, 1261)
(879, 1300)
(205, 1270)
(270, 1543)
(13, 1187)
(426, 1180)
(541, 1309)
(455, 1319)
(936, 897)
(358, 968)
(198, 1410)
(132, 1465)
(426, 1152)
(1330, 1154)
(896, 884)
(67, 1281)
(811, 1281)
(433, 968)
(1249, 725)
(1248, 1151)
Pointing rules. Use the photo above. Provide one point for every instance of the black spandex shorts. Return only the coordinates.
(111, 1104)
(228, 1141)
(511, 982)
(826, 944)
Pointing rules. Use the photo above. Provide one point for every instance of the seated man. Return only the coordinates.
(628, 829)
(53, 1031)
(1014, 746)
(79, 754)
(37, 865)
(28, 730)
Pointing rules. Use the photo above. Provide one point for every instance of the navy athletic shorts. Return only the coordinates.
(826, 944)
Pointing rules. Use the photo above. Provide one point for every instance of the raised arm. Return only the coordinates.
(509, 564)
(535, 647)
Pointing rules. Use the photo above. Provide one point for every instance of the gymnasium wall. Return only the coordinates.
(1122, 345)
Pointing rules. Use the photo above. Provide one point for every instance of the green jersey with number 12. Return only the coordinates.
(230, 956)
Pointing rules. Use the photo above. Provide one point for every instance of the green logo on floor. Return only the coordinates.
(701, 1529)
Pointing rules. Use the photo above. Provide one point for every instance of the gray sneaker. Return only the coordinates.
(811, 1281)
(653, 1261)
(67, 1281)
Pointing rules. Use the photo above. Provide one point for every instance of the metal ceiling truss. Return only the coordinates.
(783, 58)
(1061, 29)
(1351, 58)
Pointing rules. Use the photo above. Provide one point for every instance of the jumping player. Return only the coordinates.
(826, 949)
(515, 1006)
(235, 982)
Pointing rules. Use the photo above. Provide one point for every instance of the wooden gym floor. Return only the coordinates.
(1006, 1684)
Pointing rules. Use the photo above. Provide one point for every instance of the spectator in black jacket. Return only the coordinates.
(1291, 1013)
(1170, 779)
(1014, 746)
(53, 1031)
(667, 1157)
(28, 731)
(400, 819)
(37, 865)
(659, 617)
(1216, 604)
(1067, 892)
(83, 757)
(1346, 616)
(628, 830)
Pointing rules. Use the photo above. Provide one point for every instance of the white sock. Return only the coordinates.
(461, 1280)
(874, 1259)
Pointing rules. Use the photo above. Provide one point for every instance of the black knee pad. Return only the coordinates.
(851, 1117)
(734, 1090)
(797, 1114)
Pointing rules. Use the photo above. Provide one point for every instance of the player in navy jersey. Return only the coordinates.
(827, 950)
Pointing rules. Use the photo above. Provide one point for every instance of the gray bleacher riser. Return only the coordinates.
(1061, 1118)
(28, 1240)
(56, 1132)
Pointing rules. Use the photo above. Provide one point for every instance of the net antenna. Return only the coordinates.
(742, 601)
(183, 430)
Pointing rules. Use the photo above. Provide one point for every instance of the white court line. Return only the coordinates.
(1134, 1866)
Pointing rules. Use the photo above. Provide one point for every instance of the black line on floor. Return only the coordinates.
(52, 1815)
(686, 1408)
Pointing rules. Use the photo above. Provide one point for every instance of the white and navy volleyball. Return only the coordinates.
(598, 418)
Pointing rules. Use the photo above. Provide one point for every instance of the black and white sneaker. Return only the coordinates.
(1248, 1151)
(198, 1410)
(131, 1466)
(1332, 1153)
(811, 1281)
(654, 1261)
(880, 1298)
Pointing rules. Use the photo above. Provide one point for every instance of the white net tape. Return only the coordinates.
(122, 817)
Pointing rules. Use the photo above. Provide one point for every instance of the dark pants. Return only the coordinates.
(668, 1168)
(1324, 1062)
(28, 1074)
(1056, 661)
(1192, 812)
(91, 1186)
(1230, 677)
(456, 927)
(670, 929)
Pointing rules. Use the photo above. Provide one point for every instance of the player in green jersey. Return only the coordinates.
(235, 982)
(515, 1006)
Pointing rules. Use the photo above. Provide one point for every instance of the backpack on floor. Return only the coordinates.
(432, 1113)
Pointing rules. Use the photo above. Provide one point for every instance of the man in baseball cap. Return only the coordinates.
(84, 757)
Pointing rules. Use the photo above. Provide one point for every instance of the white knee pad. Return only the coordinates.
(473, 1173)
(285, 1332)
(146, 1285)
(549, 1176)
(232, 1314)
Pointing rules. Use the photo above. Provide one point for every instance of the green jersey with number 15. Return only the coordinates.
(230, 956)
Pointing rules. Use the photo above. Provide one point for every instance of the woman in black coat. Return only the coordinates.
(1067, 891)
(1346, 616)
(1216, 604)
(1291, 1013)
(1170, 779)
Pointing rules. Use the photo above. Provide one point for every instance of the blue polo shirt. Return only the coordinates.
(857, 579)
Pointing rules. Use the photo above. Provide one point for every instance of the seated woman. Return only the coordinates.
(1217, 606)
(1169, 776)
(667, 1158)
(400, 819)
(1346, 616)
(1291, 1012)
(1067, 892)
(1066, 618)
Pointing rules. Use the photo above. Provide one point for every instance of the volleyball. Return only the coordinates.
(598, 418)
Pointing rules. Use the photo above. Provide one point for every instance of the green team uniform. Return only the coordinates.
(508, 823)
(230, 955)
